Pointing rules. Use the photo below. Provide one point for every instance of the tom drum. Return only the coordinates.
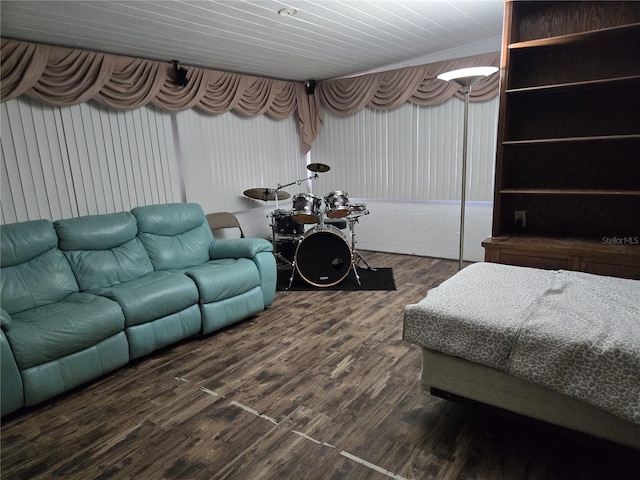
(336, 204)
(357, 210)
(323, 257)
(306, 208)
(284, 225)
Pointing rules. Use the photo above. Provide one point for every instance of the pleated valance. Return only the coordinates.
(63, 76)
(418, 85)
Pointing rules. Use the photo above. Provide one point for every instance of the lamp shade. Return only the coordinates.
(467, 76)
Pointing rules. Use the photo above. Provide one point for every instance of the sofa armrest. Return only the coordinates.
(11, 387)
(260, 251)
(238, 248)
(5, 319)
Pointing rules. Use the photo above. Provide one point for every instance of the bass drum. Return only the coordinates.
(323, 257)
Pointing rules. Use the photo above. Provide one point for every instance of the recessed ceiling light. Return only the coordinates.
(288, 12)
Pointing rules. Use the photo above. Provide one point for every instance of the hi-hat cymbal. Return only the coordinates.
(266, 194)
(318, 167)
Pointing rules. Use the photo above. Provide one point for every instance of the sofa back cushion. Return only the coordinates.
(34, 272)
(176, 235)
(103, 250)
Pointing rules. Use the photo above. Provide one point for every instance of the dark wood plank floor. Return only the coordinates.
(319, 386)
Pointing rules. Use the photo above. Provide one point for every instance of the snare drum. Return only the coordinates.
(323, 257)
(306, 208)
(357, 210)
(337, 204)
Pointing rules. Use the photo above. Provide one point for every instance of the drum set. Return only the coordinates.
(322, 255)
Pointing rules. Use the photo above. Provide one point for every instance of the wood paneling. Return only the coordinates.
(318, 386)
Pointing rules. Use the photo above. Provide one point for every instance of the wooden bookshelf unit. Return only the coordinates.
(568, 153)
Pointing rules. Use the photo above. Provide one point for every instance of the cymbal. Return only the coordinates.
(266, 194)
(318, 167)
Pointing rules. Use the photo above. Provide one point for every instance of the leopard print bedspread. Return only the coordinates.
(576, 333)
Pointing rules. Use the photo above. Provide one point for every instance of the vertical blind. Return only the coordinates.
(224, 155)
(410, 153)
(61, 162)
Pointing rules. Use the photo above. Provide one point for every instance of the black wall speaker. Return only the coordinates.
(180, 74)
(311, 87)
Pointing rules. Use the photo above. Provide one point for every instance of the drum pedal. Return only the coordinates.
(361, 259)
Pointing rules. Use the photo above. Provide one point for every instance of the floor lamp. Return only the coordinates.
(465, 77)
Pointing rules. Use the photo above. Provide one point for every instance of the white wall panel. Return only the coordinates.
(61, 162)
(428, 228)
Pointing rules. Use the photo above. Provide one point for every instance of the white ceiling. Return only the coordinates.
(326, 39)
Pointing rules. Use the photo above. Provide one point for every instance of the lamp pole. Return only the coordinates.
(465, 77)
(463, 194)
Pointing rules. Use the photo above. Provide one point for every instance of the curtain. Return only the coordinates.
(418, 85)
(63, 76)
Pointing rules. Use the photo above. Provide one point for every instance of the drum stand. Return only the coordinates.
(293, 272)
(296, 182)
(293, 264)
(276, 253)
(276, 192)
(274, 242)
(355, 256)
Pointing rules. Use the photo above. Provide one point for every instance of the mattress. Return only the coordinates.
(572, 332)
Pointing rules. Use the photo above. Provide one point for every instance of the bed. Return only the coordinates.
(558, 346)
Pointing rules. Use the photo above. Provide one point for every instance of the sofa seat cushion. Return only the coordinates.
(148, 337)
(153, 296)
(49, 379)
(216, 315)
(53, 331)
(225, 278)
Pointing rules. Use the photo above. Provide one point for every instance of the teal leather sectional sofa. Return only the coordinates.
(81, 297)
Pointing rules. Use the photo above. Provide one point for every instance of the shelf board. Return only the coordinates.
(559, 191)
(572, 85)
(596, 138)
(578, 37)
(570, 245)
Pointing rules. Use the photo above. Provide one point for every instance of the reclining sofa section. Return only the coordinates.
(83, 296)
